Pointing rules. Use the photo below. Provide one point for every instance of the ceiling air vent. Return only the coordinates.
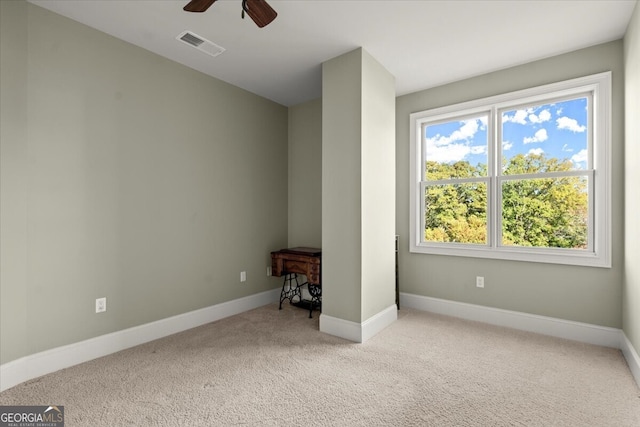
(200, 43)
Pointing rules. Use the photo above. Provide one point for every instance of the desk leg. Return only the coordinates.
(288, 291)
(316, 298)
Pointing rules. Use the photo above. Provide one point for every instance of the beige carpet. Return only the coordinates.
(273, 368)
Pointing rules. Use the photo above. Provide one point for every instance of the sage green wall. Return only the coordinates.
(341, 187)
(591, 295)
(305, 174)
(631, 295)
(13, 180)
(378, 153)
(145, 182)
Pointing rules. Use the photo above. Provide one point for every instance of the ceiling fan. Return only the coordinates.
(258, 10)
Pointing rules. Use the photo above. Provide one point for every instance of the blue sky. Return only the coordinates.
(555, 129)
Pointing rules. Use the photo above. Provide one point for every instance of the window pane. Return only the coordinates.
(456, 149)
(546, 212)
(545, 138)
(456, 213)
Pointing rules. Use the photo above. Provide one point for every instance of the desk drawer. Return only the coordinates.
(295, 266)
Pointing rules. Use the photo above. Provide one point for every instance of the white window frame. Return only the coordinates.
(598, 253)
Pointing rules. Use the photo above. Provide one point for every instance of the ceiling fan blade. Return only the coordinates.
(260, 11)
(198, 5)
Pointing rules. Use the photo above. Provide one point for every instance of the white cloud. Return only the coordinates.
(447, 153)
(455, 147)
(565, 122)
(580, 156)
(468, 129)
(506, 145)
(544, 116)
(566, 148)
(478, 149)
(536, 151)
(539, 136)
(520, 117)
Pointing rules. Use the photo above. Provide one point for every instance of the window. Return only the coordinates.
(521, 176)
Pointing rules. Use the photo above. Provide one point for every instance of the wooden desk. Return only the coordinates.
(300, 260)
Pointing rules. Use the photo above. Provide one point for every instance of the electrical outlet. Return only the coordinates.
(479, 281)
(268, 270)
(101, 305)
(243, 276)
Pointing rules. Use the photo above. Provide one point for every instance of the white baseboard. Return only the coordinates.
(35, 365)
(630, 354)
(577, 331)
(358, 332)
(373, 325)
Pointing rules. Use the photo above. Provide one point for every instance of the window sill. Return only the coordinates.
(549, 256)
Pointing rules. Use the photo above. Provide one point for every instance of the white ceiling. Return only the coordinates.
(423, 43)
